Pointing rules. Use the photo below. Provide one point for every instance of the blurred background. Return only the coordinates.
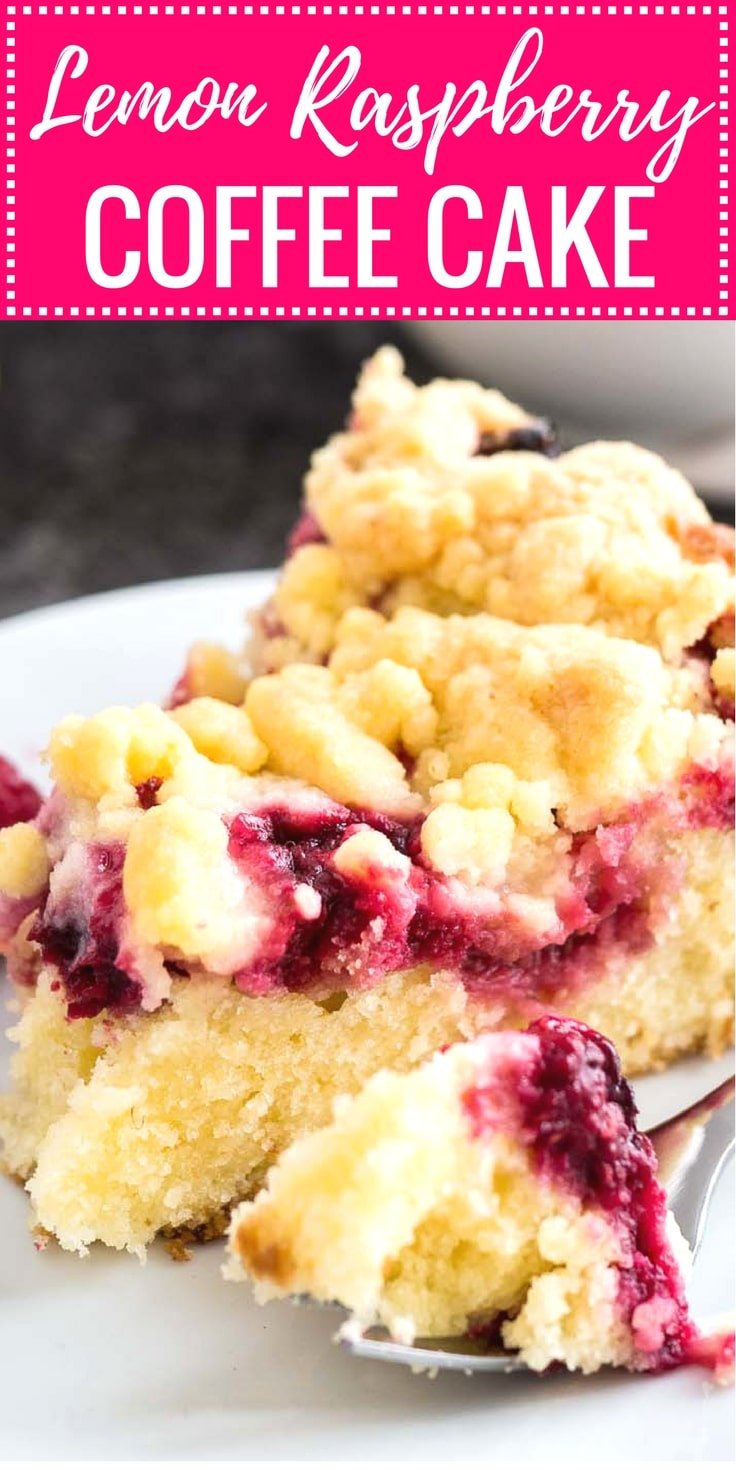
(132, 453)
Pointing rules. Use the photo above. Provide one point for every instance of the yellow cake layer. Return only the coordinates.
(123, 1128)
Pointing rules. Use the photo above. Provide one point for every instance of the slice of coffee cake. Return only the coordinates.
(420, 820)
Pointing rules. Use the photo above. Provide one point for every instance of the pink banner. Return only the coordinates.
(366, 160)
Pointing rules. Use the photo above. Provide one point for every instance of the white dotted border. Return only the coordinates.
(350, 312)
(362, 10)
(358, 311)
(723, 209)
(10, 138)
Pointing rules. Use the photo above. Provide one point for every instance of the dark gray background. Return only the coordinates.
(130, 453)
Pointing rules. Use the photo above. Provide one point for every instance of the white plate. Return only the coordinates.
(101, 1358)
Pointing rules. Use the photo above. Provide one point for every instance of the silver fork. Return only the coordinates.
(692, 1150)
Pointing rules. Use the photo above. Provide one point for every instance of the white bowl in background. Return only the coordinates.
(669, 385)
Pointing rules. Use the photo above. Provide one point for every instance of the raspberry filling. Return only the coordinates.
(181, 692)
(577, 1115)
(355, 929)
(19, 800)
(325, 922)
(709, 798)
(147, 791)
(83, 942)
(332, 926)
(536, 438)
(719, 635)
(306, 532)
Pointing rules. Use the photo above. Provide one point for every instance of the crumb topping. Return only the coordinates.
(222, 732)
(412, 508)
(586, 720)
(24, 861)
(310, 736)
(210, 669)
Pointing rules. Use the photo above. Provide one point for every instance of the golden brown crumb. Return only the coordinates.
(268, 1260)
(706, 543)
(194, 1232)
(177, 1250)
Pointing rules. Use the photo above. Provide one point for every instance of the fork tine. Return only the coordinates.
(678, 1141)
(464, 1356)
(697, 1112)
(703, 1157)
